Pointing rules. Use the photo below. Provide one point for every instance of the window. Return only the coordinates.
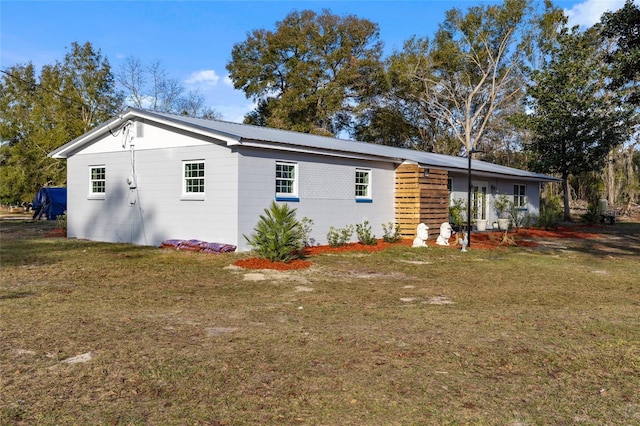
(193, 179)
(286, 181)
(363, 185)
(519, 198)
(98, 181)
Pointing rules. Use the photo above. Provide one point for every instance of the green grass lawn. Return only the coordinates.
(516, 336)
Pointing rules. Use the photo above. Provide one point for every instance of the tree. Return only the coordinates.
(309, 74)
(150, 87)
(40, 113)
(89, 86)
(472, 78)
(575, 120)
(456, 90)
(397, 114)
(623, 29)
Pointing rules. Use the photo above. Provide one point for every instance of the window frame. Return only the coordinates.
(292, 181)
(98, 182)
(367, 197)
(189, 181)
(520, 196)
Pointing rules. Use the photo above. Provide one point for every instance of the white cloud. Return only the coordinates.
(589, 12)
(227, 81)
(205, 77)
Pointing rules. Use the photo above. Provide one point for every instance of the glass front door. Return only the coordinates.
(479, 200)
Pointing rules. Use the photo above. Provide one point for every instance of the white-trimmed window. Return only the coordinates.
(519, 196)
(97, 181)
(286, 181)
(193, 179)
(363, 185)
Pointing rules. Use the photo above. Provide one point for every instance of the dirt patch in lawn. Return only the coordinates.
(260, 263)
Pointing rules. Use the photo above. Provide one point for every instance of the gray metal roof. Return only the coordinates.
(249, 135)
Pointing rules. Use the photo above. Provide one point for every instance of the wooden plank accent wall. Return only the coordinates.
(420, 198)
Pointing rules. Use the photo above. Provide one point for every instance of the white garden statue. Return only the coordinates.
(445, 234)
(422, 235)
(464, 242)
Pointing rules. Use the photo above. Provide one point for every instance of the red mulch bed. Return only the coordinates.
(482, 241)
(381, 245)
(560, 232)
(56, 233)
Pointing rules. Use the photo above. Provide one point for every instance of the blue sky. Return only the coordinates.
(193, 39)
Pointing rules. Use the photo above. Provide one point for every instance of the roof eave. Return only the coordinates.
(70, 148)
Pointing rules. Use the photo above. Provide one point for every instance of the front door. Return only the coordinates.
(479, 200)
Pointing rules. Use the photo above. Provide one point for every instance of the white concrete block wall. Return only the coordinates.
(326, 192)
(159, 212)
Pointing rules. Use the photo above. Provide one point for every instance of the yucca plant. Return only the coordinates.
(278, 236)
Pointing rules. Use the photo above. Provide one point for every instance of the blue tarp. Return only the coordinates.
(50, 202)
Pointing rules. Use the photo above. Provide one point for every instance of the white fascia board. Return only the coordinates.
(70, 148)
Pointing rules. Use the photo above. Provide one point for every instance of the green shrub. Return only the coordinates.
(307, 225)
(62, 221)
(455, 212)
(278, 236)
(363, 230)
(516, 215)
(503, 205)
(391, 233)
(592, 216)
(529, 220)
(339, 237)
(550, 212)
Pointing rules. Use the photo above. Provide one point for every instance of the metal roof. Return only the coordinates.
(249, 135)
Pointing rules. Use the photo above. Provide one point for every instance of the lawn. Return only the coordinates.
(112, 334)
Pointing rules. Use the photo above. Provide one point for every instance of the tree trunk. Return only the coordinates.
(567, 197)
(610, 180)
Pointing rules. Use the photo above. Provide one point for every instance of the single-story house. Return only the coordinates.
(144, 177)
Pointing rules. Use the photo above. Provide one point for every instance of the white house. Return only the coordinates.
(144, 177)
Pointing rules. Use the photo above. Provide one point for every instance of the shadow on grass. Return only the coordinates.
(16, 295)
(621, 239)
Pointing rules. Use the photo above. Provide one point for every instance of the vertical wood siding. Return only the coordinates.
(420, 198)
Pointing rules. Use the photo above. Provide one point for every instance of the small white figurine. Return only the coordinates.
(445, 234)
(463, 242)
(422, 235)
